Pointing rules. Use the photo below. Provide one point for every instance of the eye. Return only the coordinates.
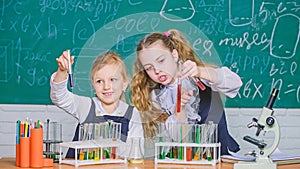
(148, 68)
(113, 79)
(100, 82)
(161, 60)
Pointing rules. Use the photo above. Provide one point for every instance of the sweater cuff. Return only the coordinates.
(60, 85)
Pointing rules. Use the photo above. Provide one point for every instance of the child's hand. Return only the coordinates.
(62, 61)
(189, 69)
(185, 97)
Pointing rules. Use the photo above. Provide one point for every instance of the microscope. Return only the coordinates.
(266, 122)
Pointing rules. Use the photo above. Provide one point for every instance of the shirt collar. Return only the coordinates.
(120, 111)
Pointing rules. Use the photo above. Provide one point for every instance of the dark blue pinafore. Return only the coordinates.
(211, 109)
(92, 118)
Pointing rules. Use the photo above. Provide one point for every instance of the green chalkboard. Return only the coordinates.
(259, 40)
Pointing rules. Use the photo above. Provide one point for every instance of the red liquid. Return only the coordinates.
(113, 153)
(188, 154)
(178, 98)
(200, 85)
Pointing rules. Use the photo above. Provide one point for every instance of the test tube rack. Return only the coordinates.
(182, 143)
(215, 158)
(89, 145)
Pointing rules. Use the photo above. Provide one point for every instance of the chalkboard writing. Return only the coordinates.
(259, 40)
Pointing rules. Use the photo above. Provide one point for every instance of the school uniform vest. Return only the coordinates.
(92, 118)
(211, 109)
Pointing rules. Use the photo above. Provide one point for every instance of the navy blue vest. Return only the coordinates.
(211, 108)
(92, 118)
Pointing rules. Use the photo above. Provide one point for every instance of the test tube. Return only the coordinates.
(80, 138)
(85, 132)
(90, 133)
(161, 135)
(209, 136)
(91, 137)
(198, 82)
(180, 136)
(80, 132)
(84, 152)
(96, 131)
(104, 134)
(115, 134)
(197, 132)
(188, 129)
(210, 133)
(96, 138)
(179, 85)
(172, 129)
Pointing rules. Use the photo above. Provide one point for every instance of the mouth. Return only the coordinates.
(162, 78)
(108, 93)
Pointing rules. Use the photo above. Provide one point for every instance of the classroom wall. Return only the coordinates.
(249, 37)
(237, 119)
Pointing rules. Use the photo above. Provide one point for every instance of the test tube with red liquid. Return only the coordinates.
(178, 103)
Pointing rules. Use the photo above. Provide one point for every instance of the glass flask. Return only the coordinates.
(136, 152)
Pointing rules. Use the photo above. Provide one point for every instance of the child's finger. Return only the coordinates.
(189, 69)
(72, 59)
(61, 63)
(186, 96)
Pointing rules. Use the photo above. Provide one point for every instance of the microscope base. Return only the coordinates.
(262, 163)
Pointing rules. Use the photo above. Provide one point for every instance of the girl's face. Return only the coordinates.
(159, 63)
(109, 84)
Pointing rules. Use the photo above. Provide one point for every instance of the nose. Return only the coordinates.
(107, 84)
(156, 70)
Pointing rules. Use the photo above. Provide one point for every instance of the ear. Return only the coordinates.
(175, 55)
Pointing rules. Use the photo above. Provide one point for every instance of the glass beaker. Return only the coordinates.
(136, 152)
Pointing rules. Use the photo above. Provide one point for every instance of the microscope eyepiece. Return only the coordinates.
(272, 98)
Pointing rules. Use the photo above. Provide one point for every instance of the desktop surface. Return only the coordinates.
(9, 163)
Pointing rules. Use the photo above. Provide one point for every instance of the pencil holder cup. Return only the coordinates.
(17, 154)
(24, 152)
(36, 147)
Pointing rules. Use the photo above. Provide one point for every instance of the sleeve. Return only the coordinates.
(228, 82)
(77, 106)
(135, 125)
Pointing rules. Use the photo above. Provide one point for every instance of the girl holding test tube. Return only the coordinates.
(157, 80)
(109, 79)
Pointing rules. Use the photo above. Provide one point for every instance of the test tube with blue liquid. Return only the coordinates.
(70, 71)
